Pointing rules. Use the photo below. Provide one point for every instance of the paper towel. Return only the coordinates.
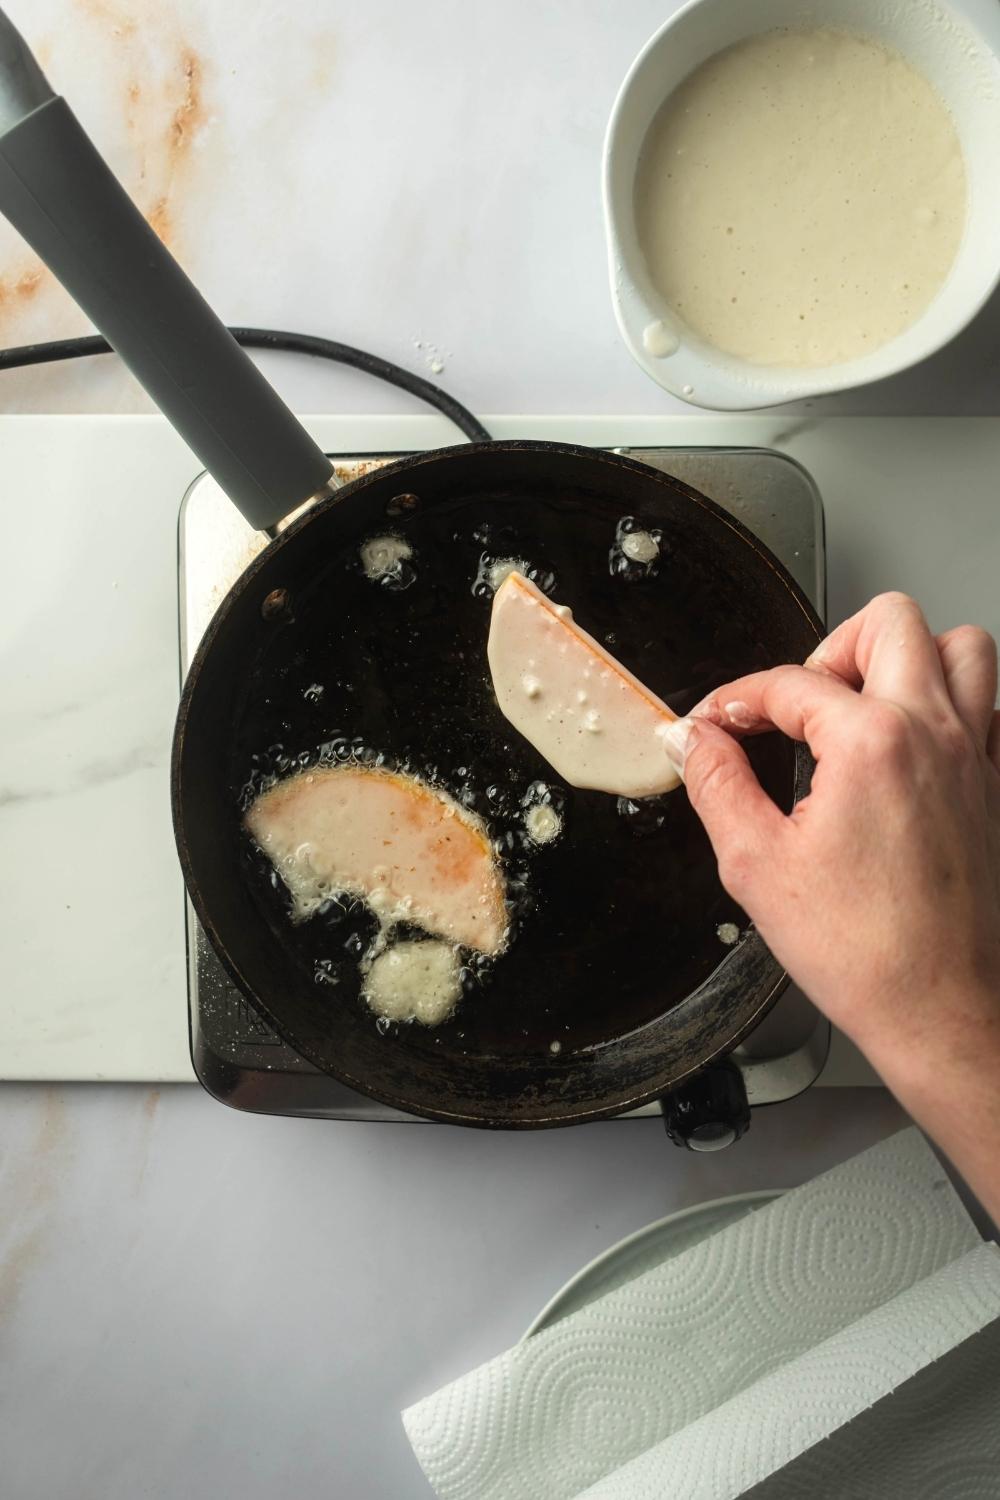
(936, 1438)
(562, 1410)
(765, 1427)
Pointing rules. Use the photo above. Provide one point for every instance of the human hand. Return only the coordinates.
(880, 892)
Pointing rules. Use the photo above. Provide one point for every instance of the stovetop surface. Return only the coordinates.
(236, 1055)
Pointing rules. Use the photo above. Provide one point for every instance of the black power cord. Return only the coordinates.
(272, 338)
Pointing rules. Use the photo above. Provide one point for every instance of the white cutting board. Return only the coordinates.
(91, 902)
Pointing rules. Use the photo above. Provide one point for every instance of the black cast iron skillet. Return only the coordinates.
(615, 987)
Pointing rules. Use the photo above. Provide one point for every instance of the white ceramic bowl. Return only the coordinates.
(955, 46)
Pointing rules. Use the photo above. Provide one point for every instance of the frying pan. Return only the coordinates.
(615, 987)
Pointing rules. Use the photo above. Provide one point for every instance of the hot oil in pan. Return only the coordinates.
(616, 919)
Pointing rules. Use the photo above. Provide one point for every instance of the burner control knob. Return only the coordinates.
(710, 1111)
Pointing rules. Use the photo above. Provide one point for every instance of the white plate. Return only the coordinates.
(648, 1247)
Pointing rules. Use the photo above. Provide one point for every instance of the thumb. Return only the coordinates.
(739, 816)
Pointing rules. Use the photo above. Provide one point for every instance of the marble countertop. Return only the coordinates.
(198, 1302)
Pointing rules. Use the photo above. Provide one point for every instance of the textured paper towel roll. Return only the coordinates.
(567, 1407)
(936, 1438)
(765, 1427)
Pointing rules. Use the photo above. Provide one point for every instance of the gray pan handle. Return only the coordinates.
(63, 198)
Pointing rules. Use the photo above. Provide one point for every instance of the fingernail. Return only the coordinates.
(708, 709)
(820, 656)
(678, 742)
(739, 714)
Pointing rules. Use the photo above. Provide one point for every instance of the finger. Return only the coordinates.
(993, 740)
(885, 649)
(739, 817)
(792, 699)
(969, 662)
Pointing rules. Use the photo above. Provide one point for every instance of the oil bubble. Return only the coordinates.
(497, 798)
(403, 576)
(543, 824)
(636, 551)
(332, 911)
(401, 505)
(642, 816)
(469, 978)
(495, 567)
(542, 576)
(383, 556)
(544, 792)
(492, 571)
(513, 842)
